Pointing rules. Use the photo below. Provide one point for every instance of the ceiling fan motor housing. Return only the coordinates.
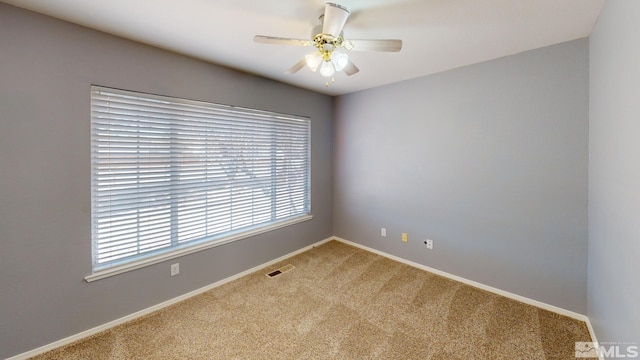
(326, 43)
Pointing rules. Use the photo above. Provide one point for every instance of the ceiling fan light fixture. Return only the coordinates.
(313, 60)
(327, 69)
(339, 60)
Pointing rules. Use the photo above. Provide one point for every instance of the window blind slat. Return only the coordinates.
(167, 172)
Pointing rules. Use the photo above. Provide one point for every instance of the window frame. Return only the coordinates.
(207, 242)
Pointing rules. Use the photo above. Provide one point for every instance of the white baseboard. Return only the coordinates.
(164, 304)
(536, 303)
(199, 291)
(594, 339)
(507, 294)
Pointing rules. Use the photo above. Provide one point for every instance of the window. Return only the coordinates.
(172, 176)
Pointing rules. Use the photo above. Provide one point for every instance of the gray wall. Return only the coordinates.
(614, 173)
(46, 68)
(489, 161)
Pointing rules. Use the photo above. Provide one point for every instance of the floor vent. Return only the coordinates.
(280, 270)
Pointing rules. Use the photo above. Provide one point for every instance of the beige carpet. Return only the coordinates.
(340, 302)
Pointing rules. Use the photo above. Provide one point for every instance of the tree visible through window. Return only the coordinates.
(168, 173)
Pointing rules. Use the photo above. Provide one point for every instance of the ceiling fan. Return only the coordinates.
(328, 39)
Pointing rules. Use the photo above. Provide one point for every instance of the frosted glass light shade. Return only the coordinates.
(339, 60)
(313, 60)
(327, 69)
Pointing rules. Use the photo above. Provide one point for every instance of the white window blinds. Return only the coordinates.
(169, 173)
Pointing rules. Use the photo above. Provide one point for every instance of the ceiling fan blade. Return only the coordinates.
(351, 68)
(281, 41)
(390, 45)
(295, 68)
(335, 16)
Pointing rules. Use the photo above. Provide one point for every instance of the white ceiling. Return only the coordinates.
(437, 34)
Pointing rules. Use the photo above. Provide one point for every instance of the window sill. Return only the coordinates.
(115, 270)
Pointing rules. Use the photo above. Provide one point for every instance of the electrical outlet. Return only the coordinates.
(405, 237)
(175, 269)
(383, 232)
(429, 244)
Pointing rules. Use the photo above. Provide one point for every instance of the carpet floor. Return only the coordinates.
(339, 302)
